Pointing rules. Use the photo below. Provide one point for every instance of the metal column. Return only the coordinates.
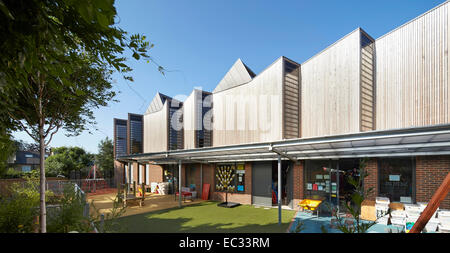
(179, 184)
(338, 174)
(279, 190)
(201, 180)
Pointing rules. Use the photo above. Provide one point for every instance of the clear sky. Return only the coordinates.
(198, 41)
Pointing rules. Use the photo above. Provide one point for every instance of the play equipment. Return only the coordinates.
(93, 181)
(311, 205)
(131, 198)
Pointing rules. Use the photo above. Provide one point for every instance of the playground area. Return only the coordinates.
(153, 202)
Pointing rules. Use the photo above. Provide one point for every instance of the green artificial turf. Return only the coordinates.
(207, 217)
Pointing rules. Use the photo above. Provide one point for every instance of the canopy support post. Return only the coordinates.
(279, 189)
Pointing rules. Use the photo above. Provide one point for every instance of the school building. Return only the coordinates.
(297, 130)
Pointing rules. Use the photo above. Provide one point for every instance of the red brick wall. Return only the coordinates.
(298, 193)
(430, 172)
(371, 181)
(155, 173)
(119, 176)
(135, 173)
(196, 176)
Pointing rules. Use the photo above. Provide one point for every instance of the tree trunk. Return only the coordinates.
(43, 213)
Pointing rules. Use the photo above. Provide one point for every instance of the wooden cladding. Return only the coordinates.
(367, 96)
(156, 126)
(251, 112)
(330, 89)
(291, 99)
(412, 77)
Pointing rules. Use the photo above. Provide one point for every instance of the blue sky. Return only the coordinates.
(198, 41)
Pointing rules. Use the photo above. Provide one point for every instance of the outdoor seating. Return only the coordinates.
(186, 192)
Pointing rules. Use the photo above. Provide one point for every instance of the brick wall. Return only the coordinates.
(430, 172)
(155, 173)
(119, 176)
(196, 178)
(371, 181)
(135, 173)
(298, 194)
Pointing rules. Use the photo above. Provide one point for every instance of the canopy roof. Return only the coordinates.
(417, 141)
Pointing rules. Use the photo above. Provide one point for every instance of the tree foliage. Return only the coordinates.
(7, 146)
(67, 159)
(104, 158)
(56, 61)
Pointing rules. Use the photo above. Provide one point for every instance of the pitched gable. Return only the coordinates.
(238, 74)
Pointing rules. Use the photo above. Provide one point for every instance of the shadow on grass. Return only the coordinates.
(206, 217)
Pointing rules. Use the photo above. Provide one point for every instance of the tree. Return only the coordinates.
(7, 146)
(67, 159)
(56, 59)
(104, 158)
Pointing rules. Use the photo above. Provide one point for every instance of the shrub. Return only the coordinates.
(13, 173)
(68, 215)
(18, 211)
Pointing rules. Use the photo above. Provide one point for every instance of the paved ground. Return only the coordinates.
(153, 202)
(314, 224)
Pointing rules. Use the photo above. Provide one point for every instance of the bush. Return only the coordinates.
(13, 173)
(68, 215)
(18, 212)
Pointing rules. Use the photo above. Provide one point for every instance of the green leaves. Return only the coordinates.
(5, 10)
(104, 159)
(67, 159)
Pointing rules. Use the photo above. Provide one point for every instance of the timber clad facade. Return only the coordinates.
(358, 86)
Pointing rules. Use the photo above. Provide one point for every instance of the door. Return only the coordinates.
(290, 186)
(262, 183)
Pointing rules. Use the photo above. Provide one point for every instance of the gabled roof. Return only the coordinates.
(238, 74)
(158, 102)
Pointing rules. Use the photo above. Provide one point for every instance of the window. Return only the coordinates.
(26, 168)
(28, 155)
(395, 177)
(317, 181)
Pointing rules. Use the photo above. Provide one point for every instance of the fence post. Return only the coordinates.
(102, 222)
(86, 210)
